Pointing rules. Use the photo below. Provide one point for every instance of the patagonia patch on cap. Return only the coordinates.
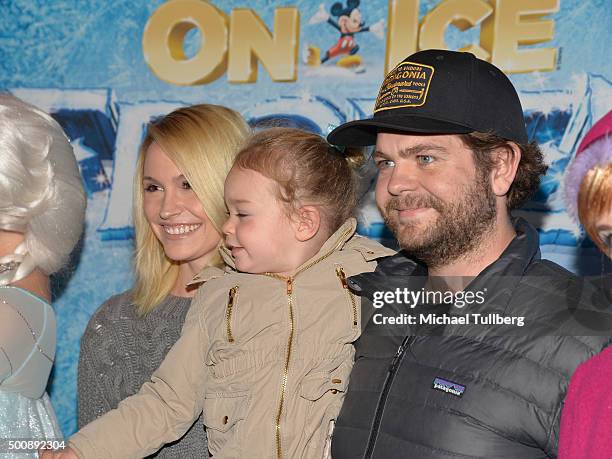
(405, 86)
(448, 386)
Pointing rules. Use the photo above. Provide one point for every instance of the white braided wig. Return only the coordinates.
(41, 192)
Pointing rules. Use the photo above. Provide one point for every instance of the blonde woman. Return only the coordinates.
(42, 207)
(178, 214)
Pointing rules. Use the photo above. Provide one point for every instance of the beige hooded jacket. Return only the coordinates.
(266, 358)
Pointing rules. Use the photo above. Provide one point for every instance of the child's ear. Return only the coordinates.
(307, 223)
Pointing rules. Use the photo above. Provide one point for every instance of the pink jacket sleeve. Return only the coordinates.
(586, 421)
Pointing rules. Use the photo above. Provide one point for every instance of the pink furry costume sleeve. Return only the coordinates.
(586, 422)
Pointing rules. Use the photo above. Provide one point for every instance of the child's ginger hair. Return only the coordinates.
(307, 169)
(595, 200)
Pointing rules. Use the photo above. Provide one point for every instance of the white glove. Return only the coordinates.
(378, 29)
(320, 16)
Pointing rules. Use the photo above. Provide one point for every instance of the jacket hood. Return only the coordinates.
(208, 273)
(335, 242)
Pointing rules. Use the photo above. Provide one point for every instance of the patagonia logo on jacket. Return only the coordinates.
(448, 386)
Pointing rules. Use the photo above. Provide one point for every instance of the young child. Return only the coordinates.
(266, 349)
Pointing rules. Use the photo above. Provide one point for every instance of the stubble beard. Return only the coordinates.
(459, 230)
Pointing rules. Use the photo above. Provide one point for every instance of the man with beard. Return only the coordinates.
(453, 159)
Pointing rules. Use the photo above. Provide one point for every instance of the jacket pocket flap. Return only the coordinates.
(222, 412)
(315, 385)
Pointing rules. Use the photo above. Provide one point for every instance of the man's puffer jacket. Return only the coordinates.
(467, 391)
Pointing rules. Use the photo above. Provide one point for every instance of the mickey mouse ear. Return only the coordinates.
(337, 9)
(352, 4)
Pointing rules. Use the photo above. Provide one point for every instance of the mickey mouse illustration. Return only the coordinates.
(349, 22)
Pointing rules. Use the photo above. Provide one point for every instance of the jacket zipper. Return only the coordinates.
(395, 363)
(342, 277)
(228, 314)
(289, 282)
(279, 451)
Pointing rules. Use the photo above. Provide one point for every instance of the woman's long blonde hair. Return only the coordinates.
(202, 141)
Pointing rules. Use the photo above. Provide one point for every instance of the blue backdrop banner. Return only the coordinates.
(105, 69)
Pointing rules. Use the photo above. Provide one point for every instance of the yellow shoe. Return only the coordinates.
(350, 62)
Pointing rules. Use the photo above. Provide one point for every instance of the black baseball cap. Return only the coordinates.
(440, 92)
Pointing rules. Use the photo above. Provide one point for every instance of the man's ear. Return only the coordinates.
(504, 169)
(307, 222)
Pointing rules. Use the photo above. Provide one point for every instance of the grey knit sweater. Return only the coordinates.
(120, 351)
